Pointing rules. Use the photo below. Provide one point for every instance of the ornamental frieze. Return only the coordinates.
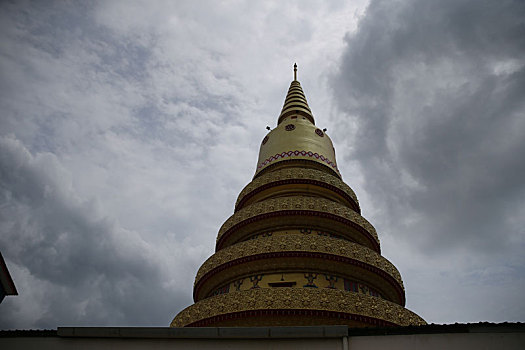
(298, 153)
(298, 280)
(297, 173)
(297, 203)
(292, 299)
(302, 243)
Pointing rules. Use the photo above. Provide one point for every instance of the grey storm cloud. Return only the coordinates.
(430, 94)
(70, 245)
(436, 89)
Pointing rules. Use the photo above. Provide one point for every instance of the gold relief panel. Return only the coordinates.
(288, 224)
(297, 280)
(304, 230)
(318, 266)
(297, 298)
(298, 203)
(289, 174)
(226, 274)
(299, 243)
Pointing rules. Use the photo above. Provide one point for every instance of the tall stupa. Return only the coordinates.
(296, 250)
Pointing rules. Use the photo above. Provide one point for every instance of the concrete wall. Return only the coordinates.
(324, 337)
(193, 344)
(449, 341)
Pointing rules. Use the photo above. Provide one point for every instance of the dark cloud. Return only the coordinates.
(436, 91)
(92, 275)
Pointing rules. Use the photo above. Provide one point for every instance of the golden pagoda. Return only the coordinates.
(296, 250)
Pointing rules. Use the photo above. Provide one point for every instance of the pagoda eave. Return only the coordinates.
(299, 252)
(340, 306)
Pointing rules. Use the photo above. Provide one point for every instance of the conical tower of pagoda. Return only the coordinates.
(296, 250)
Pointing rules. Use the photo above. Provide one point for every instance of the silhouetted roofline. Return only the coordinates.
(5, 278)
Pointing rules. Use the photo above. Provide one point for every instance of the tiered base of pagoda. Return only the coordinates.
(294, 306)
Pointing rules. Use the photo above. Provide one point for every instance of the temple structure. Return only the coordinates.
(297, 251)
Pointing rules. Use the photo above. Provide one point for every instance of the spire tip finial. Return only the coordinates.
(295, 71)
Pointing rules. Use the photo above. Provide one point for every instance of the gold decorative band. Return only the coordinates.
(328, 180)
(298, 204)
(293, 299)
(300, 243)
(300, 154)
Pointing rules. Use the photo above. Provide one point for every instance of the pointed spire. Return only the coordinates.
(295, 102)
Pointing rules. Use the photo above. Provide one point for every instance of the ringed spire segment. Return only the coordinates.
(295, 103)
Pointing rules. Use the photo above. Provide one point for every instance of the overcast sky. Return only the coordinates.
(128, 128)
